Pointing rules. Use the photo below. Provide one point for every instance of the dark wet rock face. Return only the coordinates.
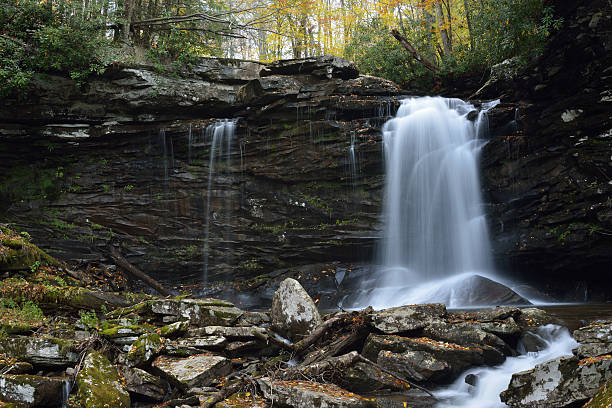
(547, 168)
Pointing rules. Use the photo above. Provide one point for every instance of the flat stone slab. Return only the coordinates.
(302, 394)
(407, 318)
(210, 342)
(195, 371)
(226, 331)
(42, 352)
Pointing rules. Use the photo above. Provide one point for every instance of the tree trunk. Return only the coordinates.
(443, 30)
(468, 18)
(413, 51)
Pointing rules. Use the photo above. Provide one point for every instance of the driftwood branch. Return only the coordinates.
(415, 54)
(137, 273)
(227, 391)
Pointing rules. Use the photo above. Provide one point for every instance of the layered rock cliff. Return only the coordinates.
(127, 159)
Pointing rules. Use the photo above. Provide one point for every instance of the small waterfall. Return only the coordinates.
(353, 162)
(189, 144)
(221, 134)
(66, 388)
(491, 381)
(434, 222)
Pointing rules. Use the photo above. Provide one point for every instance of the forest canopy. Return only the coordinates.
(82, 37)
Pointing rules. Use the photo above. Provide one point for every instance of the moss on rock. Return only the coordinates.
(99, 384)
(144, 349)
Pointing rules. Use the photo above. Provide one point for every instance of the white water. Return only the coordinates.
(434, 224)
(220, 133)
(493, 380)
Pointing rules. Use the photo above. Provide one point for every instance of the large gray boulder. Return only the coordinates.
(195, 371)
(456, 356)
(561, 382)
(307, 394)
(414, 365)
(293, 312)
(31, 390)
(407, 318)
(595, 340)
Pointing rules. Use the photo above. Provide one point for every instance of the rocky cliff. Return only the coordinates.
(127, 159)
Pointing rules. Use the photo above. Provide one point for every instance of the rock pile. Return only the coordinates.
(206, 352)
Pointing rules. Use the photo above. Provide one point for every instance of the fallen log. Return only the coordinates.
(227, 391)
(137, 273)
(313, 370)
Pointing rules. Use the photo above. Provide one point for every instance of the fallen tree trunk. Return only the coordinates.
(413, 51)
(313, 370)
(137, 273)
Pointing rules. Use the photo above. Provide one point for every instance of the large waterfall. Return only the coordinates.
(434, 222)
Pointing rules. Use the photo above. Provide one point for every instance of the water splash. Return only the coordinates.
(221, 134)
(491, 381)
(434, 222)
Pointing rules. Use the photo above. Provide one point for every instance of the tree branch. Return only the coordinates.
(415, 54)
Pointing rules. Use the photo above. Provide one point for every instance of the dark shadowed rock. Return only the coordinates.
(142, 384)
(327, 66)
(364, 378)
(456, 356)
(293, 312)
(466, 334)
(414, 365)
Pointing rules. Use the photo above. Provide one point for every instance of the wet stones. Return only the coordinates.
(561, 382)
(595, 340)
(293, 312)
(414, 365)
(40, 352)
(195, 371)
(407, 318)
(311, 394)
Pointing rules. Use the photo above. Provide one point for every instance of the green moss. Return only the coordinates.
(144, 349)
(174, 329)
(17, 253)
(602, 398)
(99, 385)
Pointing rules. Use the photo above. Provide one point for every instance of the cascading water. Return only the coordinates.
(221, 134)
(435, 226)
(491, 381)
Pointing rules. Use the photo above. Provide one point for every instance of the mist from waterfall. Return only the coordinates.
(434, 221)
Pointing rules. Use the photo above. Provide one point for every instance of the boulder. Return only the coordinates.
(407, 318)
(506, 330)
(465, 334)
(266, 90)
(175, 329)
(302, 394)
(195, 371)
(144, 349)
(31, 390)
(326, 66)
(365, 378)
(561, 382)
(99, 385)
(595, 340)
(456, 356)
(414, 365)
(602, 398)
(293, 312)
(44, 352)
(534, 317)
(144, 385)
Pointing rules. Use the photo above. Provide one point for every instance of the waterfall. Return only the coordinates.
(434, 222)
(353, 162)
(221, 134)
